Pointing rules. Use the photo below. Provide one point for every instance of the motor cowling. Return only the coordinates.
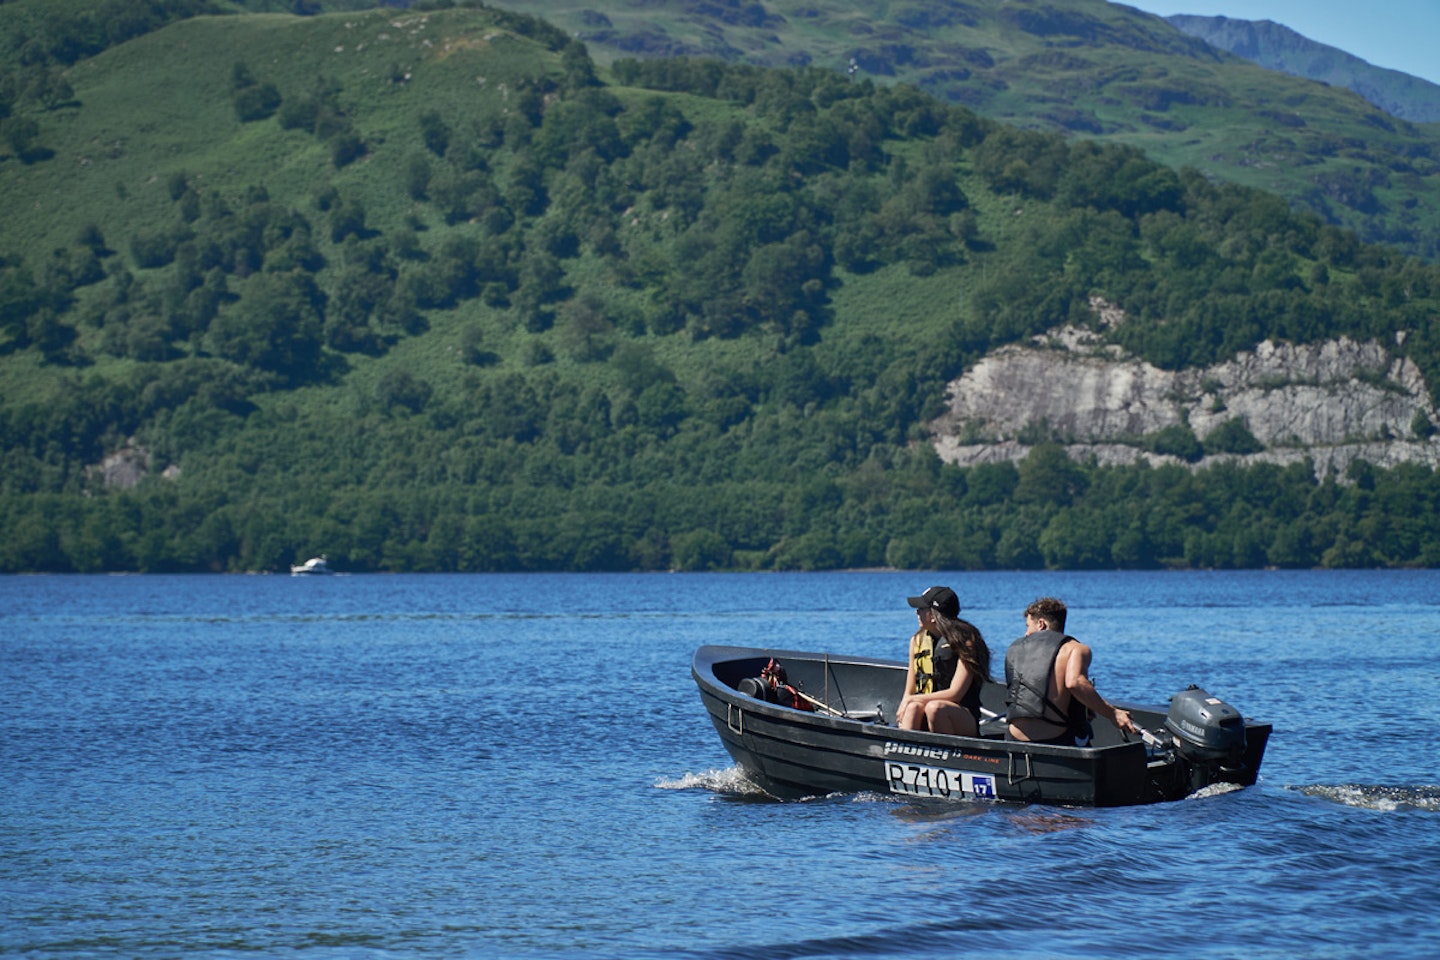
(1206, 728)
(757, 687)
(773, 686)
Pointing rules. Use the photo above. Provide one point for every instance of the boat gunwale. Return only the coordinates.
(707, 679)
(1121, 772)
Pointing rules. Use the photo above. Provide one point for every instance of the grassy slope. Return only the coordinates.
(1090, 67)
(160, 105)
(1094, 68)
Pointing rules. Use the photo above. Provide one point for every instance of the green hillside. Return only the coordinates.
(1087, 68)
(1277, 47)
(428, 290)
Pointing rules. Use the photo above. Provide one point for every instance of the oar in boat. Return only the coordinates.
(821, 704)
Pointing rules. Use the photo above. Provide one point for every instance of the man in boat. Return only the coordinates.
(949, 662)
(1050, 692)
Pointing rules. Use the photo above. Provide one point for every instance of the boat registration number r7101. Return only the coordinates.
(916, 780)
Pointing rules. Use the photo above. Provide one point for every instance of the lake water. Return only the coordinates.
(519, 766)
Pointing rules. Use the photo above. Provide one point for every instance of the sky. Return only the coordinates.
(1400, 34)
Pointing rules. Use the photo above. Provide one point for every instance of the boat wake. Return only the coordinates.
(1371, 797)
(730, 782)
(1214, 790)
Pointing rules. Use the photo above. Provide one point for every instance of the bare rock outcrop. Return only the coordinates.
(126, 467)
(1334, 402)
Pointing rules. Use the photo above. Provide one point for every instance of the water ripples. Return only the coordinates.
(447, 767)
(1383, 799)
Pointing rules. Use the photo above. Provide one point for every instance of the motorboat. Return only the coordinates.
(315, 565)
(803, 724)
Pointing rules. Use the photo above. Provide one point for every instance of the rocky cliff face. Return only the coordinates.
(1334, 402)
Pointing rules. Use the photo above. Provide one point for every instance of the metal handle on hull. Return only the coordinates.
(731, 712)
(1010, 771)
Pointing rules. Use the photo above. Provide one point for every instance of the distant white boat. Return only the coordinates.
(312, 566)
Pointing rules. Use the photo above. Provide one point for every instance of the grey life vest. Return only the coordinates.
(1029, 665)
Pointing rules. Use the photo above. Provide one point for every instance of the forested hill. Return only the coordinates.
(1086, 68)
(431, 290)
(1089, 69)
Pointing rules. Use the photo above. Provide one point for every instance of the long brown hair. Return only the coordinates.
(964, 637)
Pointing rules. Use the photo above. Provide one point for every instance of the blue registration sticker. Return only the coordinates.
(918, 780)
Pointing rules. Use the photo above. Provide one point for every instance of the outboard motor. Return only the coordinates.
(757, 687)
(1209, 733)
(773, 686)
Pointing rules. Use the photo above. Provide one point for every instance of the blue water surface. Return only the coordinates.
(519, 766)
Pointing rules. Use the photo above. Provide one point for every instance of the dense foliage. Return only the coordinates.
(1087, 68)
(693, 318)
(1046, 512)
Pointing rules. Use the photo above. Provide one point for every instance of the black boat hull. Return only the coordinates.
(848, 744)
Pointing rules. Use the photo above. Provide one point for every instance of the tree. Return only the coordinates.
(1232, 436)
(256, 102)
(661, 407)
(1049, 476)
(1078, 539)
(21, 133)
(276, 325)
(435, 133)
(401, 388)
(1176, 440)
(417, 177)
(701, 549)
(345, 148)
(20, 299)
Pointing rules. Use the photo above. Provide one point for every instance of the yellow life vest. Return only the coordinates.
(922, 647)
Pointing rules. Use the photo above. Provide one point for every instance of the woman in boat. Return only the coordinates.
(949, 662)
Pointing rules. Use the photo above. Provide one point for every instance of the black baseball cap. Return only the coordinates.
(938, 598)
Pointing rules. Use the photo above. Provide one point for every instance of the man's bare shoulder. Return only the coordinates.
(1072, 648)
